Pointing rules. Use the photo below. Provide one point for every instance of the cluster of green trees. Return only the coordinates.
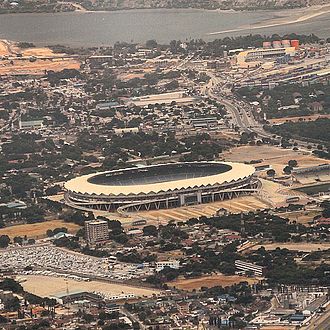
(317, 130)
(241, 292)
(51, 233)
(23, 143)
(284, 95)
(55, 77)
(77, 217)
(283, 269)
(4, 241)
(116, 231)
(135, 257)
(209, 261)
(218, 46)
(106, 321)
(326, 209)
(264, 224)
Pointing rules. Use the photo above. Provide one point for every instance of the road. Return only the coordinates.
(134, 319)
(320, 323)
(240, 111)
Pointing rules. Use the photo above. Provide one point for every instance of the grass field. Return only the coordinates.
(37, 230)
(210, 281)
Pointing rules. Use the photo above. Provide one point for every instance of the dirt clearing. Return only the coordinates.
(306, 247)
(210, 281)
(37, 230)
(47, 286)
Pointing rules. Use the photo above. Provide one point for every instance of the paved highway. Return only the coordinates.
(240, 111)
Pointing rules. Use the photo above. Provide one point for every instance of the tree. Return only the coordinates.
(150, 231)
(292, 163)
(4, 241)
(287, 169)
(18, 240)
(12, 304)
(3, 319)
(88, 317)
(9, 284)
(49, 233)
(151, 44)
(60, 230)
(271, 172)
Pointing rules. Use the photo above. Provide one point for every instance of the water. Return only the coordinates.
(105, 28)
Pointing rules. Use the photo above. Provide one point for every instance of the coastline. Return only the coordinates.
(284, 20)
(81, 9)
(66, 28)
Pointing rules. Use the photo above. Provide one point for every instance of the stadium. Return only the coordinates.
(160, 186)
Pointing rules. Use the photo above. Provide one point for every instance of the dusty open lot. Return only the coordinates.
(46, 286)
(276, 157)
(306, 247)
(37, 230)
(44, 59)
(38, 67)
(296, 119)
(210, 281)
(3, 48)
(302, 217)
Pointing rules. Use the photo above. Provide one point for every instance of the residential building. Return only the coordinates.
(96, 231)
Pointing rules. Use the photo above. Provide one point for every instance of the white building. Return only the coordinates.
(160, 265)
(249, 267)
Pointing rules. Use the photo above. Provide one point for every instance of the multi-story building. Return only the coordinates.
(31, 124)
(96, 231)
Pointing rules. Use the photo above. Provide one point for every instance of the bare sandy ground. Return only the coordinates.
(49, 286)
(3, 48)
(36, 68)
(13, 65)
(302, 217)
(276, 157)
(210, 281)
(297, 119)
(37, 230)
(288, 17)
(306, 247)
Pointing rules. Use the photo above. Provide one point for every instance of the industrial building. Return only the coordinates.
(265, 53)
